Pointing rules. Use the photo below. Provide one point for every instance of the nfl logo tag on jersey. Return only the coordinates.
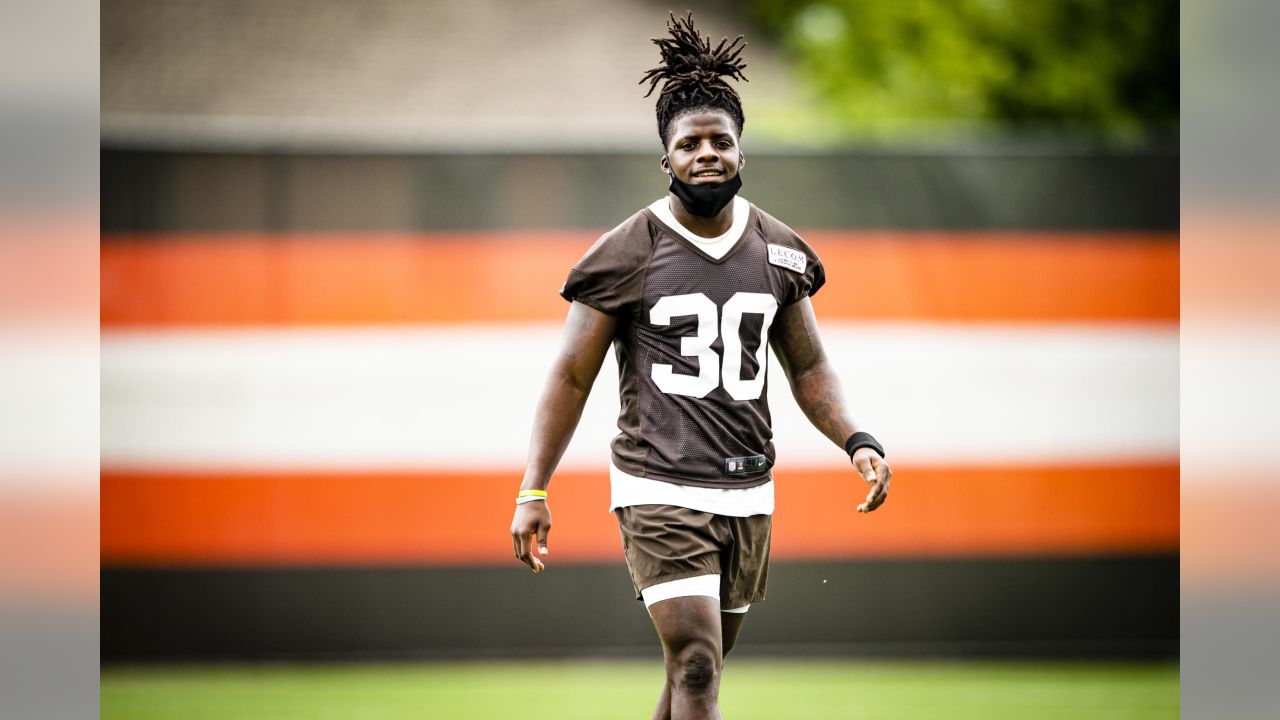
(788, 258)
(749, 465)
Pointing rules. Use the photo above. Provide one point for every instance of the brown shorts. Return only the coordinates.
(664, 543)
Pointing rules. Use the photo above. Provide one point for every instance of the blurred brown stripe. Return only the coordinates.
(1101, 605)
(209, 280)
(456, 518)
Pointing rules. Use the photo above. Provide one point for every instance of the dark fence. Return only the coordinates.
(166, 191)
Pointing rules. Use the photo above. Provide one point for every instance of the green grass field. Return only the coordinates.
(548, 690)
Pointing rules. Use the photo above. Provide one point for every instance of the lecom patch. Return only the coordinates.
(788, 258)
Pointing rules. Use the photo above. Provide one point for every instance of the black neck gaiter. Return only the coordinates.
(708, 199)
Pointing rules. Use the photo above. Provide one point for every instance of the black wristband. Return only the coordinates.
(861, 440)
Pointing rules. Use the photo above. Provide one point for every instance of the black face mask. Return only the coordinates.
(707, 199)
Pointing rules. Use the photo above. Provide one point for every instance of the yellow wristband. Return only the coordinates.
(532, 493)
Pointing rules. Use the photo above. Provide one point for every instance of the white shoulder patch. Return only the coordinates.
(788, 258)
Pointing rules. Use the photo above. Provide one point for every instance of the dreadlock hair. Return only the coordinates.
(692, 73)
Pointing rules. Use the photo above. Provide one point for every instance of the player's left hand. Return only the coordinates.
(875, 471)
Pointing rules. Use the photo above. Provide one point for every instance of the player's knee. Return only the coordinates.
(695, 667)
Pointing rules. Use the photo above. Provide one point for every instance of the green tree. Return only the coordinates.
(1108, 68)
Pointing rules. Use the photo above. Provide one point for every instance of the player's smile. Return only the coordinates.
(703, 148)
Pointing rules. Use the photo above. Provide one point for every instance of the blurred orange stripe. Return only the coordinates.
(261, 279)
(1230, 520)
(980, 511)
(48, 544)
(462, 518)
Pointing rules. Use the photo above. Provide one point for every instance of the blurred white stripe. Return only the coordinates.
(48, 415)
(463, 397)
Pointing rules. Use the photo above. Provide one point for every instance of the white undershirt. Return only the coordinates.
(716, 247)
(626, 489)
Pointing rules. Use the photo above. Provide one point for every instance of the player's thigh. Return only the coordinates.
(691, 622)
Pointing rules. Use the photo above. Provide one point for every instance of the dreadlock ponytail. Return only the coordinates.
(693, 74)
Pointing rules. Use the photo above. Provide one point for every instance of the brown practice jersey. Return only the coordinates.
(692, 344)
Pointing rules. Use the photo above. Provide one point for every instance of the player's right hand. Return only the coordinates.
(531, 524)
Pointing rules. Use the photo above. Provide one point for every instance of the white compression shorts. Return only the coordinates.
(704, 585)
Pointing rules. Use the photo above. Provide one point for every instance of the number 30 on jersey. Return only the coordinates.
(699, 345)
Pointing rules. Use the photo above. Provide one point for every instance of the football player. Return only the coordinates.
(692, 291)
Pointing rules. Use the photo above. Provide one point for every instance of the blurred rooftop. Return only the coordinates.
(397, 75)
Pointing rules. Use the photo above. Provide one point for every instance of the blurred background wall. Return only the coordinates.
(333, 236)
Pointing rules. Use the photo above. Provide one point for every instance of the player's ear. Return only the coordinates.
(665, 164)
(742, 160)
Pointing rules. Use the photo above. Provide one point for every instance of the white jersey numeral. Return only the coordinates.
(699, 345)
(740, 304)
